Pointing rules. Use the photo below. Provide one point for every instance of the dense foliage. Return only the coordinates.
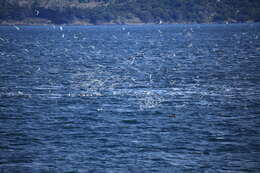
(132, 11)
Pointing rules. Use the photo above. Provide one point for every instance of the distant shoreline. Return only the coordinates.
(119, 12)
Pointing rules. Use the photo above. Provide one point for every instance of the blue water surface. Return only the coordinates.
(130, 98)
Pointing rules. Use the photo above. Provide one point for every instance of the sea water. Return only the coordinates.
(130, 98)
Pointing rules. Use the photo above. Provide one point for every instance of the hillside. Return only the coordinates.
(127, 11)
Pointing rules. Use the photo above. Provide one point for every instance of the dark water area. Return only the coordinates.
(148, 98)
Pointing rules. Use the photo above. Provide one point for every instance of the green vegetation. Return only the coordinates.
(132, 11)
